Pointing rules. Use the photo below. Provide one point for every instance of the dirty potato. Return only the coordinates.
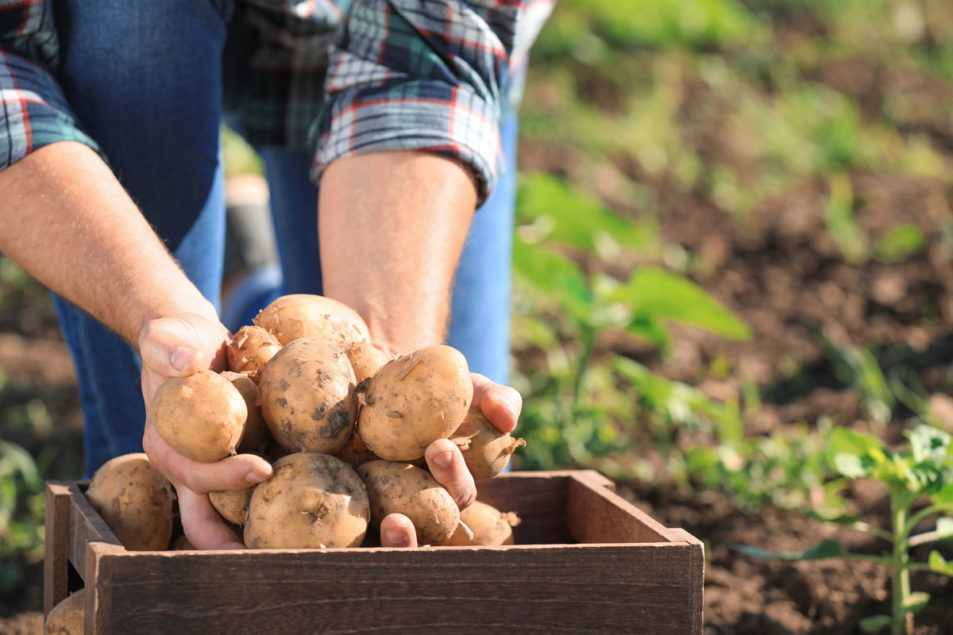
(311, 501)
(394, 487)
(292, 317)
(414, 400)
(201, 416)
(68, 617)
(306, 397)
(255, 434)
(250, 349)
(487, 527)
(485, 449)
(135, 500)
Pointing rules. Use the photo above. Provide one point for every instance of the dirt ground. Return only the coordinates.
(781, 272)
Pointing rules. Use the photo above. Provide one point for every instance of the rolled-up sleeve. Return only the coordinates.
(427, 75)
(33, 110)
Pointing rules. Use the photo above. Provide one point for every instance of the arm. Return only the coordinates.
(390, 250)
(67, 221)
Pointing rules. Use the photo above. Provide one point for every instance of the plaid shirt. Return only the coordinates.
(334, 78)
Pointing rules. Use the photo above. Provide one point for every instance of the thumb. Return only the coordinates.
(169, 347)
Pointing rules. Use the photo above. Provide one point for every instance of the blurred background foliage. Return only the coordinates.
(632, 110)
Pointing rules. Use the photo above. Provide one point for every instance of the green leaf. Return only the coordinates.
(820, 551)
(916, 601)
(899, 243)
(850, 465)
(655, 295)
(574, 218)
(874, 623)
(552, 274)
(944, 495)
(929, 444)
(939, 564)
(853, 442)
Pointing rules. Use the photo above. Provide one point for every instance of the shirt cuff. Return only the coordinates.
(412, 114)
(33, 111)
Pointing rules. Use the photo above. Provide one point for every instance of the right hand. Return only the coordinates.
(177, 347)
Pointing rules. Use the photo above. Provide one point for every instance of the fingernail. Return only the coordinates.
(180, 357)
(255, 477)
(443, 459)
(395, 538)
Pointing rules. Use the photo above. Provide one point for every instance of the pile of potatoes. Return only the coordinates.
(345, 426)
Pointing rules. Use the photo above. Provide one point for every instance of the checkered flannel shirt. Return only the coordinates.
(334, 78)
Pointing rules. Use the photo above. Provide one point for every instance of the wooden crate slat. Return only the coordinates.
(85, 526)
(596, 514)
(56, 557)
(519, 588)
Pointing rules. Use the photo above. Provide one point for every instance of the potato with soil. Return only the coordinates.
(413, 401)
(485, 449)
(311, 501)
(201, 416)
(68, 617)
(394, 487)
(366, 359)
(489, 527)
(250, 349)
(355, 452)
(255, 434)
(232, 505)
(306, 397)
(135, 500)
(295, 316)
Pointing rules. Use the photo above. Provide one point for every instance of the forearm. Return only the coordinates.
(392, 226)
(66, 219)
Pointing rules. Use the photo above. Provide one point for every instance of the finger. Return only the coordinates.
(231, 473)
(398, 531)
(204, 528)
(500, 404)
(448, 467)
(173, 347)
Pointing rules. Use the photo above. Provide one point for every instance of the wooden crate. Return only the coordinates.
(585, 561)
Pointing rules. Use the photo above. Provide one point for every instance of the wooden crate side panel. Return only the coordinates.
(562, 589)
(85, 526)
(596, 514)
(539, 499)
(697, 573)
(56, 556)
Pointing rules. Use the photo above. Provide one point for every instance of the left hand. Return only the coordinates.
(501, 405)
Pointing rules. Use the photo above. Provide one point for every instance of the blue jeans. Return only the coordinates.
(144, 78)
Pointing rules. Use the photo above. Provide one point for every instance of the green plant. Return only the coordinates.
(21, 515)
(924, 469)
(569, 405)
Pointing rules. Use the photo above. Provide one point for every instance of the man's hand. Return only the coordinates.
(501, 405)
(178, 347)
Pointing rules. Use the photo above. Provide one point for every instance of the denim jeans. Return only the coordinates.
(145, 79)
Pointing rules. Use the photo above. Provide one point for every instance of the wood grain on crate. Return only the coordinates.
(586, 561)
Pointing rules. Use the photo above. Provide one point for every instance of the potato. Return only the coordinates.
(355, 452)
(414, 400)
(135, 500)
(255, 434)
(68, 617)
(232, 505)
(250, 349)
(488, 527)
(306, 397)
(366, 359)
(291, 317)
(409, 490)
(312, 501)
(485, 449)
(200, 416)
